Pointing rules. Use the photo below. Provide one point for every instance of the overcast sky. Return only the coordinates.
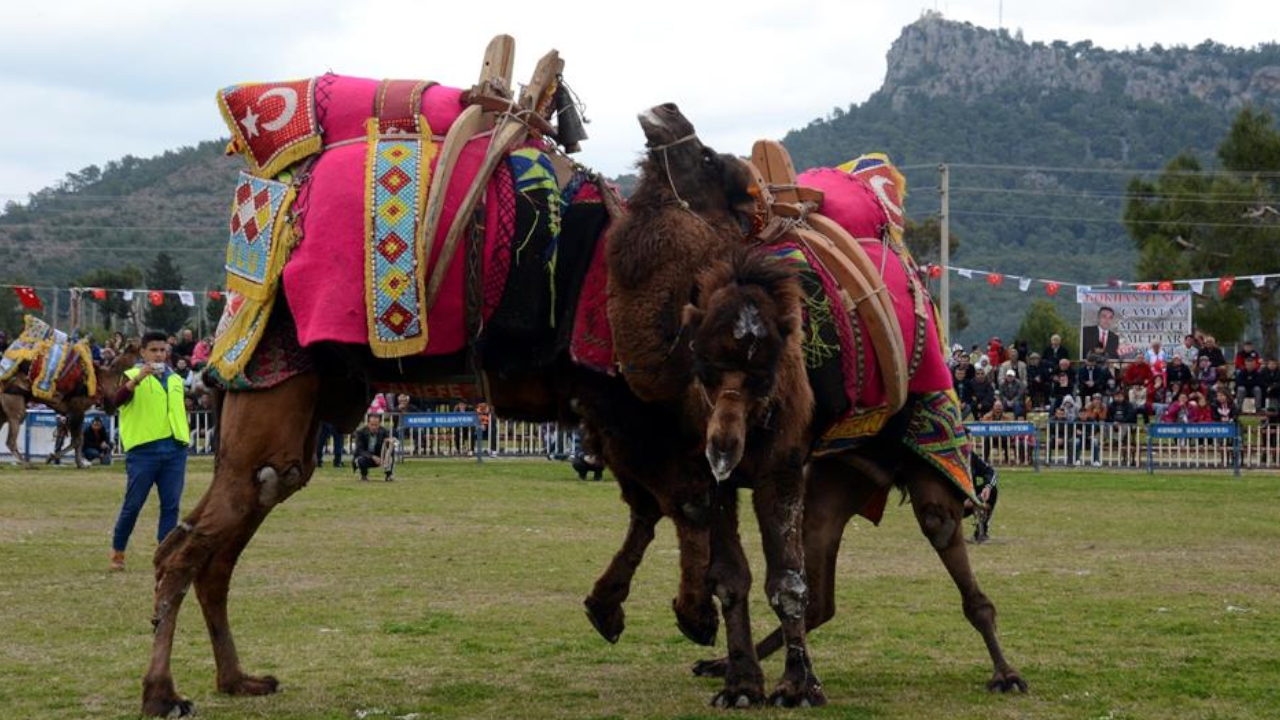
(87, 81)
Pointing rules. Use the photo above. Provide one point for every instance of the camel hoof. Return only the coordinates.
(1007, 682)
(710, 668)
(250, 685)
(170, 708)
(608, 620)
(700, 625)
(736, 699)
(810, 694)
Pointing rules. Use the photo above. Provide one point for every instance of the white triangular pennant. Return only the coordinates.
(187, 298)
(1024, 284)
(1259, 280)
(128, 296)
(965, 273)
(1197, 286)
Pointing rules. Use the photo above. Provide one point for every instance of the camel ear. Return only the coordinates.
(691, 317)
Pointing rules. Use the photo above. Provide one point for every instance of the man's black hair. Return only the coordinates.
(1108, 308)
(154, 336)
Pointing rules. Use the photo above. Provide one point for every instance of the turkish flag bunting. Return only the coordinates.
(1145, 287)
(1165, 286)
(27, 296)
(1225, 284)
(994, 278)
(215, 294)
(157, 297)
(935, 272)
(99, 294)
(1052, 288)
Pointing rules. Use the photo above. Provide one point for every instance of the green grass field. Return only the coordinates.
(456, 593)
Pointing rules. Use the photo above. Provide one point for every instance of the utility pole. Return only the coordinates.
(944, 244)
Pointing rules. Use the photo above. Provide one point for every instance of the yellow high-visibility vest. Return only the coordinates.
(155, 412)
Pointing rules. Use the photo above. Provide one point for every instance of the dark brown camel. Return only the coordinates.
(266, 453)
(656, 359)
(74, 405)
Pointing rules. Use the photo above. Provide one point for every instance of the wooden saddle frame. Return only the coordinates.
(788, 211)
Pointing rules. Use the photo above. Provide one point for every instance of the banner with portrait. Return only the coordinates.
(1125, 323)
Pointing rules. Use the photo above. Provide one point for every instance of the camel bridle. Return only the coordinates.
(666, 168)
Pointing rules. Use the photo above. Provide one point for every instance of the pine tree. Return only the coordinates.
(170, 315)
(1191, 223)
(1042, 322)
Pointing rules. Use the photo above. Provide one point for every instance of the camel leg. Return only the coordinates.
(730, 577)
(696, 614)
(940, 514)
(15, 409)
(832, 498)
(75, 426)
(604, 604)
(779, 506)
(267, 455)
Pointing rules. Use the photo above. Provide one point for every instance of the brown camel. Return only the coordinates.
(73, 404)
(266, 453)
(657, 361)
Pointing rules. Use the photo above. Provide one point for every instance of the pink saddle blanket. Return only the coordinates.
(324, 277)
(851, 202)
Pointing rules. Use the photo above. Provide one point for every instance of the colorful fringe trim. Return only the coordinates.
(937, 434)
(398, 173)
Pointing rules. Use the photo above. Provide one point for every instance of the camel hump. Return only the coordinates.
(792, 211)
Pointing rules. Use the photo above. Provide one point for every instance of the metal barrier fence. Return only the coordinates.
(1205, 446)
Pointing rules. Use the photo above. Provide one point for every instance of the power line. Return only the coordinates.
(1070, 218)
(1118, 171)
(137, 228)
(1210, 198)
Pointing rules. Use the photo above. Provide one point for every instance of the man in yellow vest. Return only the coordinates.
(154, 433)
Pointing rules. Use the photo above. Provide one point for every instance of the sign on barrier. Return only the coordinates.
(1008, 430)
(440, 420)
(1197, 431)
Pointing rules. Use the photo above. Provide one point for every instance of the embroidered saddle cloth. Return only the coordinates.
(55, 365)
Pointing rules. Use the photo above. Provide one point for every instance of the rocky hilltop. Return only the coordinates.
(938, 57)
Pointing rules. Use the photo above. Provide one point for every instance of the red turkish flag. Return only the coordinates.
(1164, 286)
(1145, 287)
(214, 294)
(1225, 284)
(1052, 288)
(156, 297)
(99, 294)
(27, 296)
(994, 278)
(935, 272)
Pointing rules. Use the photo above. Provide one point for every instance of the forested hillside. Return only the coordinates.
(1042, 140)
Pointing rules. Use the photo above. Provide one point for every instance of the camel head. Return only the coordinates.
(679, 169)
(111, 376)
(746, 312)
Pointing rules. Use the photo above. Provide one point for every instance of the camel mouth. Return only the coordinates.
(664, 124)
(722, 464)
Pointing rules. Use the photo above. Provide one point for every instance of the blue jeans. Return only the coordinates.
(162, 463)
(93, 453)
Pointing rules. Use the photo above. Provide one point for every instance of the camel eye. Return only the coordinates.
(708, 157)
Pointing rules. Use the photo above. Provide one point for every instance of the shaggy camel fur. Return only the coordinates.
(837, 487)
(16, 393)
(754, 399)
(266, 453)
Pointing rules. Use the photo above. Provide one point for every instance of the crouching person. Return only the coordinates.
(96, 442)
(375, 448)
(984, 484)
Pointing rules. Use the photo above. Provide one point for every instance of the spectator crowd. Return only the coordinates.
(1194, 382)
